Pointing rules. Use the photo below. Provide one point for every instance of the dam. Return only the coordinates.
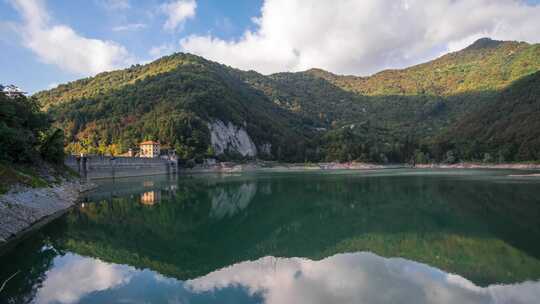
(97, 167)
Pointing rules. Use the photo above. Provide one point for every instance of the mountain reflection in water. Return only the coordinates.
(228, 202)
(342, 278)
(173, 240)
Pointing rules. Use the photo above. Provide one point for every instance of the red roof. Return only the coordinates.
(149, 142)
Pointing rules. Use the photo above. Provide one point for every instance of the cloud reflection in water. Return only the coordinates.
(358, 278)
(343, 278)
(73, 277)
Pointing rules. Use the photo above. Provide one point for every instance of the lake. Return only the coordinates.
(381, 236)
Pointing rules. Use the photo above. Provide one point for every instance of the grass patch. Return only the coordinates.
(11, 175)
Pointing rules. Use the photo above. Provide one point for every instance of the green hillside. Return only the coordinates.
(114, 111)
(506, 130)
(485, 65)
(109, 81)
(306, 116)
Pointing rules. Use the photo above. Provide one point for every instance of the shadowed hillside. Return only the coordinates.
(505, 130)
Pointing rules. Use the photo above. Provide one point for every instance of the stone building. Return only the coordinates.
(150, 149)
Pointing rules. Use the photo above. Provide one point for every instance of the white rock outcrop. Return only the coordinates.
(228, 137)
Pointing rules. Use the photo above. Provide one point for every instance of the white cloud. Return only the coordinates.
(129, 27)
(178, 12)
(362, 37)
(62, 46)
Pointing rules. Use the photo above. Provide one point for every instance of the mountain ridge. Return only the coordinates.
(177, 59)
(300, 116)
(395, 81)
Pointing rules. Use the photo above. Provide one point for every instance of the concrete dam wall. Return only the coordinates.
(96, 167)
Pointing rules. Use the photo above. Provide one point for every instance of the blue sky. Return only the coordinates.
(94, 19)
(47, 42)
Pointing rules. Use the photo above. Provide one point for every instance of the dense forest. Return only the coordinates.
(507, 129)
(174, 108)
(26, 134)
(432, 112)
(30, 146)
(485, 65)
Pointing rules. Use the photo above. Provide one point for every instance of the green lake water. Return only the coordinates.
(381, 236)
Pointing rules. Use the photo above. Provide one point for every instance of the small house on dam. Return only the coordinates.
(149, 149)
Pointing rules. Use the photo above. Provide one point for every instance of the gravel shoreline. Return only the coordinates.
(22, 209)
(231, 167)
(523, 166)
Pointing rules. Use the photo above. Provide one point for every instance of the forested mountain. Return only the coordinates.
(505, 130)
(114, 111)
(392, 116)
(485, 65)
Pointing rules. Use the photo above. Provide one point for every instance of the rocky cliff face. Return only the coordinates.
(228, 137)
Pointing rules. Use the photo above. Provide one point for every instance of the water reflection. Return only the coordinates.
(342, 278)
(482, 226)
(150, 198)
(227, 201)
(90, 275)
(463, 223)
(148, 183)
(77, 279)
(358, 278)
(125, 187)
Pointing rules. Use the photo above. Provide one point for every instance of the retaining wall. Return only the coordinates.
(96, 167)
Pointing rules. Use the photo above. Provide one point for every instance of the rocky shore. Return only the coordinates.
(23, 208)
(271, 166)
(522, 166)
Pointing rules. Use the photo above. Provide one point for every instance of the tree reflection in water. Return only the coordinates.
(480, 225)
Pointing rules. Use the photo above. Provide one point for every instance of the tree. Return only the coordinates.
(487, 158)
(450, 158)
(25, 132)
(420, 157)
(52, 147)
